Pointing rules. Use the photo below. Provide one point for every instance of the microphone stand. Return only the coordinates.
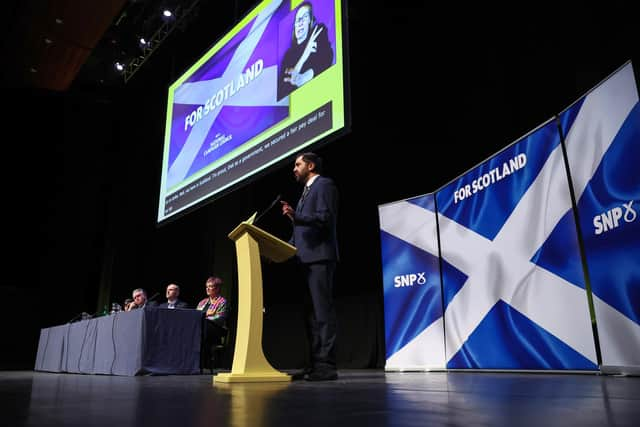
(84, 313)
(277, 199)
(76, 317)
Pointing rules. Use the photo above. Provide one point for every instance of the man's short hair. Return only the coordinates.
(310, 157)
(135, 291)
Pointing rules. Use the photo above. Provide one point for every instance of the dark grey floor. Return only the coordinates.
(357, 398)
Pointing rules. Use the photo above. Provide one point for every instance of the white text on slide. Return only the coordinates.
(230, 89)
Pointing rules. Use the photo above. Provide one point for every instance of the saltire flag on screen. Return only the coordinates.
(513, 283)
(235, 87)
(602, 134)
(411, 279)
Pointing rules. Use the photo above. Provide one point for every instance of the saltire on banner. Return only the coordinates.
(514, 288)
(513, 293)
(602, 136)
(412, 289)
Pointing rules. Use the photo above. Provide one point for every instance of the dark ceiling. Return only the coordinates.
(61, 45)
(47, 42)
(54, 44)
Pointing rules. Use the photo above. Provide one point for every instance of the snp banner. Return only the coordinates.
(513, 284)
(602, 136)
(412, 290)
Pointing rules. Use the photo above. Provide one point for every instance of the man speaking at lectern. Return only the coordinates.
(315, 237)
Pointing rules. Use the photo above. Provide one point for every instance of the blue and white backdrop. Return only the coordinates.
(521, 263)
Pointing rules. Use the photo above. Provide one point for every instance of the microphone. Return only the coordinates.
(84, 313)
(156, 295)
(276, 200)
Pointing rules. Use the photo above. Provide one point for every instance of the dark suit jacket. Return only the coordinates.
(149, 304)
(179, 304)
(314, 223)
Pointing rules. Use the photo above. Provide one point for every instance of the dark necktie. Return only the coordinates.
(304, 192)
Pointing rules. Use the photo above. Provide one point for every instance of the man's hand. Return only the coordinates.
(298, 79)
(294, 76)
(311, 47)
(287, 209)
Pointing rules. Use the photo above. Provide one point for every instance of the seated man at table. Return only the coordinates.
(139, 300)
(173, 292)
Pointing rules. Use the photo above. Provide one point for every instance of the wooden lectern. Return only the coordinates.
(249, 363)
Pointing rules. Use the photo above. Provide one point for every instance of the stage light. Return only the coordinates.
(167, 15)
(119, 67)
(171, 18)
(143, 43)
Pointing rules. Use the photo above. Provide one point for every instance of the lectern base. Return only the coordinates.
(252, 378)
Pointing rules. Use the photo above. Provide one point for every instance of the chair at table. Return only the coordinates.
(217, 351)
(212, 353)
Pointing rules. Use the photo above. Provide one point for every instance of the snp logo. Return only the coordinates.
(409, 280)
(610, 219)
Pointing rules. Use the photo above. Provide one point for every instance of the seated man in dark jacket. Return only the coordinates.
(173, 300)
(140, 300)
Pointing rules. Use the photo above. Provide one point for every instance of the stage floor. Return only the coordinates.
(357, 398)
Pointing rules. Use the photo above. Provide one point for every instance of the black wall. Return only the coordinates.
(433, 92)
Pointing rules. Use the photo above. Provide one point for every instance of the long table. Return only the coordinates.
(137, 342)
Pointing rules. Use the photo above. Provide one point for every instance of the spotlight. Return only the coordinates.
(143, 43)
(167, 15)
(119, 67)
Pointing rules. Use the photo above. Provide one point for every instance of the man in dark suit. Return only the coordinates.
(315, 237)
(173, 292)
(140, 300)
